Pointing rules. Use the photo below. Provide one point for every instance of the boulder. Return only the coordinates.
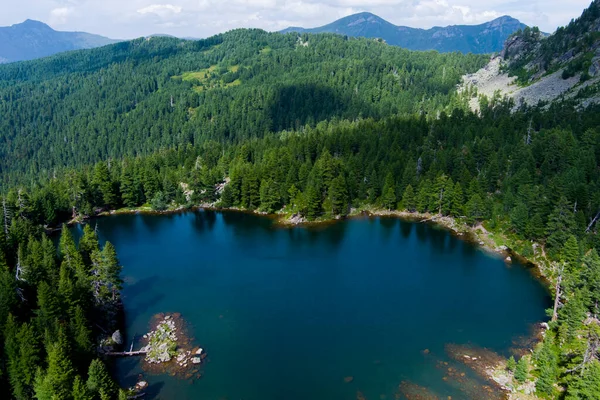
(508, 260)
(196, 360)
(141, 385)
(117, 337)
(199, 351)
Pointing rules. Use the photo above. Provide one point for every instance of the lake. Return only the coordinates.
(289, 313)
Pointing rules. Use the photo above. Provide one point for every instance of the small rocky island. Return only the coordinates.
(168, 341)
(167, 349)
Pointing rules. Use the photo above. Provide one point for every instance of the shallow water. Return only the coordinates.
(289, 313)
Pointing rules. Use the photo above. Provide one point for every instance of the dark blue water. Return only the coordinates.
(288, 313)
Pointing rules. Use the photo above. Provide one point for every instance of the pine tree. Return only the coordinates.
(99, 382)
(8, 295)
(561, 224)
(408, 199)
(519, 217)
(88, 243)
(49, 308)
(104, 186)
(547, 364)
(57, 381)
(338, 195)
(388, 196)
(511, 364)
(535, 227)
(475, 209)
(313, 202)
(522, 370)
(587, 386)
(439, 191)
(82, 338)
(80, 390)
(269, 196)
(129, 192)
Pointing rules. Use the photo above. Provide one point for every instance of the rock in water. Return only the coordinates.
(141, 385)
(117, 337)
(196, 360)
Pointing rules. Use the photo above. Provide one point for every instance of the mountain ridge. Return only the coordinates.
(488, 37)
(533, 68)
(33, 39)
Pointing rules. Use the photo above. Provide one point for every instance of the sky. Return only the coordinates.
(125, 19)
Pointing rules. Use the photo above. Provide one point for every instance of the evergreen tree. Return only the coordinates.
(475, 209)
(408, 199)
(338, 195)
(388, 196)
(99, 382)
(80, 390)
(561, 224)
(313, 201)
(57, 381)
(511, 364)
(522, 370)
(104, 185)
(129, 192)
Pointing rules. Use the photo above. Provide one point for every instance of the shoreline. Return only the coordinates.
(477, 235)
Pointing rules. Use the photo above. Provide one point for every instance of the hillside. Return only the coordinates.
(533, 68)
(33, 39)
(135, 97)
(478, 39)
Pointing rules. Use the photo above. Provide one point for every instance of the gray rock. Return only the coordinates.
(595, 67)
(196, 360)
(117, 337)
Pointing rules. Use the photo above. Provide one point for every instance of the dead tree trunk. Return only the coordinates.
(127, 353)
(593, 222)
(558, 293)
(6, 217)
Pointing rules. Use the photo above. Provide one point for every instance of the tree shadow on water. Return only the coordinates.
(153, 391)
(142, 286)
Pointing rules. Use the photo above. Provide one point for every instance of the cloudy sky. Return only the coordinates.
(125, 19)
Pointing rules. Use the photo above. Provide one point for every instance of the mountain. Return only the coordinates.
(533, 68)
(33, 39)
(484, 38)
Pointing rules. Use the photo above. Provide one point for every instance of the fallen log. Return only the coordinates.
(127, 353)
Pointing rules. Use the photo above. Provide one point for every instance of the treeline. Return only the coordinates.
(136, 97)
(54, 308)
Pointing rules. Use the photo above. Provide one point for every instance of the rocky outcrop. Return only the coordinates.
(162, 342)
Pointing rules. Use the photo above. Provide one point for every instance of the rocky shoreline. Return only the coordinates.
(477, 235)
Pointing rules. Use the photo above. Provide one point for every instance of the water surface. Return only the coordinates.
(288, 313)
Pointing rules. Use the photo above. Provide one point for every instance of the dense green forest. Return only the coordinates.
(52, 309)
(135, 97)
(312, 125)
(533, 175)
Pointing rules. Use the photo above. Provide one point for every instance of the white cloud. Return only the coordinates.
(202, 18)
(60, 16)
(162, 10)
